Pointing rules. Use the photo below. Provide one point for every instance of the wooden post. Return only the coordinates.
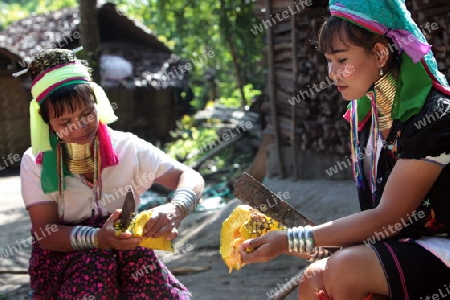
(90, 37)
(295, 71)
(272, 90)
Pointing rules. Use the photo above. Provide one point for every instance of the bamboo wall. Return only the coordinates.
(14, 120)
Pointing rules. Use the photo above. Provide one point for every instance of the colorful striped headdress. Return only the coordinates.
(43, 142)
(392, 19)
(51, 80)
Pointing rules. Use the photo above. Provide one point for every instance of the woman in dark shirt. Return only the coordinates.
(397, 246)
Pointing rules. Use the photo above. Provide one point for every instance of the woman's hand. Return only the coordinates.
(164, 221)
(267, 247)
(108, 238)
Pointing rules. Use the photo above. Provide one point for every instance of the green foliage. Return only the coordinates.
(189, 140)
(200, 93)
(191, 27)
(10, 13)
(192, 141)
(235, 102)
(13, 10)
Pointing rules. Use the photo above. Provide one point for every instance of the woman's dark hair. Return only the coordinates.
(65, 99)
(352, 34)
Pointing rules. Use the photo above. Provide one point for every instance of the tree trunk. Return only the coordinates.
(237, 69)
(90, 37)
(225, 23)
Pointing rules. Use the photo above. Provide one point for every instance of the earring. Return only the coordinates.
(381, 72)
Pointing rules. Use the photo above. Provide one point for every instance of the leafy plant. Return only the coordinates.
(234, 101)
(192, 141)
(193, 27)
(189, 140)
(13, 10)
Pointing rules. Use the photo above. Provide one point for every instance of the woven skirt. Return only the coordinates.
(102, 274)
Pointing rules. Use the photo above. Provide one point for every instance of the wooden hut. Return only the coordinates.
(146, 100)
(14, 116)
(311, 137)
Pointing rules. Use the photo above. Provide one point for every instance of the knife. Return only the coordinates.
(252, 192)
(128, 209)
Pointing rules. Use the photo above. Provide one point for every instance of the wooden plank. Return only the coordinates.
(295, 69)
(285, 75)
(281, 29)
(283, 97)
(284, 66)
(272, 91)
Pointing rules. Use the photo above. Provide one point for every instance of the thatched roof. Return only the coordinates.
(28, 36)
(119, 35)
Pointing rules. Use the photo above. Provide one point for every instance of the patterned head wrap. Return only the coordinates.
(50, 71)
(50, 79)
(392, 19)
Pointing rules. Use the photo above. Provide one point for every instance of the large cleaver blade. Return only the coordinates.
(252, 192)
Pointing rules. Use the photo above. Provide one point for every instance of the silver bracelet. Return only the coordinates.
(293, 241)
(78, 241)
(83, 237)
(290, 238)
(296, 239)
(181, 206)
(301, 240)
(72, 239)
(302, 246)
(95, 233)
(185, 199)
(83, 233)
(309, 239)
(89, 238)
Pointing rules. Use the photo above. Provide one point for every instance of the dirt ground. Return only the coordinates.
(197, 245)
